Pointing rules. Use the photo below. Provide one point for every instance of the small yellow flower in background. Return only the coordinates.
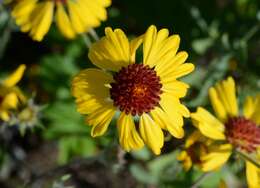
(71, 16)
(235, 130)
(146, 95)
(196, 146)
(10, 95)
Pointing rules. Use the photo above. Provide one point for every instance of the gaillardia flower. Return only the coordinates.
(10, 95)
(145, 95)
(196, 146)
(71, 16)
(236, 131)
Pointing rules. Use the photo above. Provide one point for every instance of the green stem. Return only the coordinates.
(93, 33)
(86, 40)
(198, 182)
(246, 157)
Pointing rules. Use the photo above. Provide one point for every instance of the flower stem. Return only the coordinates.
(198, 182)
(86, 40)
(93, 33)
(247, 157)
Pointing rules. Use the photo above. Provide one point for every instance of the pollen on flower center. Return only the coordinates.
(243, 133)
(136, 89)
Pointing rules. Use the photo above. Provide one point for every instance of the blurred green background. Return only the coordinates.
(222, 38)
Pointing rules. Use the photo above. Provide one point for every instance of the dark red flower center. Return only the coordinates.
(136, 89)
(243, 133)
(1, 99)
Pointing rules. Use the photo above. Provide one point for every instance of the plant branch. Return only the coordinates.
(198, 182)
(247, 157)
(86, 40)
(93, 33)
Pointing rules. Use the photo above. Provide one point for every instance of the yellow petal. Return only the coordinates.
(100, 120)
(170, 63)
(41, 20)
(15, 77)
(63, 22)
(194, 137)
(186, 160)
(252, 175)
(163, 120)
(128, 136)
(216, 157)
(76, 17)
(151, 133)
(217, 105)
(10, 101)
(175, 110)
(22, 11)
(112, 52)
(226, 93)
(153, 48)
(208, 125)
(89, 87)
(85, 83)
(4, 115)
(94, 12)
(251, 108)
(176, 88)
(134, 45)
(180, 71)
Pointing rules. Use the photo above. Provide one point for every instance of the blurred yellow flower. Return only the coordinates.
(240, 132)
(10, 95)
(72, 17)
(145, 95)
(196, 146)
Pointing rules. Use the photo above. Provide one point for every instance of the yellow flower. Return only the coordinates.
(10, 95)
(236, 131)
(196, 146)
(72, 17)
(145, 95)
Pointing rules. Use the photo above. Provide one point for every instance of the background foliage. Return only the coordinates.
(222, 38)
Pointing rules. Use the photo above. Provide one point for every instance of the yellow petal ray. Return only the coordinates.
(95, 11)
(194, 137)
(129, 138)
(88, 91)
(75, 15)
(216, 157)
(208, 125)
(112, 52)
(158, 48)
(180, 71)
(10, 101)
(63, 22)
(42, 19)
(4, 115)
(186, 160)
(251, 108)
(226, 92)
(176, 88)
(217, 105)
(100, 119)
(151, 133)
(15, 77)
(163, 120)
(22, 11)
(170, 63)
(175, 110)
(252, 175)
(134, 45)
